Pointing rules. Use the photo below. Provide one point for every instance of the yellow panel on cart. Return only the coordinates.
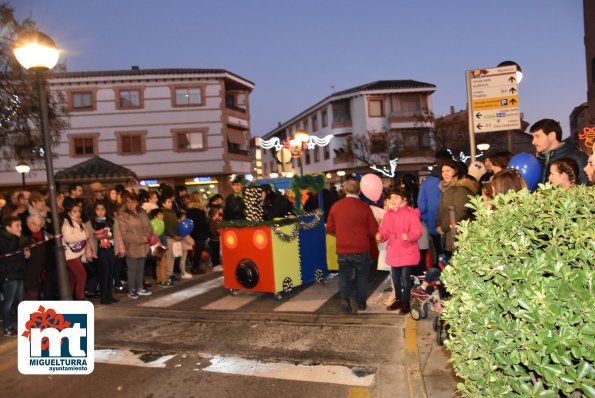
(286, 257)
(331, 253)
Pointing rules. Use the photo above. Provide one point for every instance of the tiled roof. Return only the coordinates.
(143, 72)
(386, 85)
(95, 169)
(378, 85)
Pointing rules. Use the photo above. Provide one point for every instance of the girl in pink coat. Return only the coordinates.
(401, 227)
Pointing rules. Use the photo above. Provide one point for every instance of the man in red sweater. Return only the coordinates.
(353, 224)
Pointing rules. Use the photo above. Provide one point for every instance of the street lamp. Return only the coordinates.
(23, 168)
(299, 140)
(37, 52)
(483, 146)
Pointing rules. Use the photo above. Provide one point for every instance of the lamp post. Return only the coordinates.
(300, 138)
(519, 77)
(23, 168)
(37, 52)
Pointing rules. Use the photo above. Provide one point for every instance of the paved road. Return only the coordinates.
(197, 340)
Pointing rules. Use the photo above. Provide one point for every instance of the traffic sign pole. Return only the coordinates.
(470, 116)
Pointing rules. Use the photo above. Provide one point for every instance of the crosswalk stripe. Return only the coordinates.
(335, 374)
(231, 303)
(126, 357)
(311, 298)
(185, 294)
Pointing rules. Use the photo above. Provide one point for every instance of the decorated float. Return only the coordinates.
(275, 256)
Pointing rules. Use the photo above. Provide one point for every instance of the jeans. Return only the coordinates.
(136, 272)
(360, 263)
(12, 290)
(77, 277)
(402, 282)
(104, 264)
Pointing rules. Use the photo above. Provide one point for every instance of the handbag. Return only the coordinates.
(177, 249)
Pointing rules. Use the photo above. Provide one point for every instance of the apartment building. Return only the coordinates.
(392, 116)
(180, 126)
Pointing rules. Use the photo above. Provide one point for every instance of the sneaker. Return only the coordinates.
(420, 294)
(346, 308)
(186, 276)
(133, 294)
(173, 279)
(12, 332)
(143, 292)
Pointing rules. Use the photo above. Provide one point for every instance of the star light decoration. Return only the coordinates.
(296, 150)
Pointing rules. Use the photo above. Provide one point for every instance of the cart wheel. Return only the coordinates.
(435, 323)
(233, 292)
(287, 285)
(278, 296)
(415, 311)
(319, 276)
(441, 333)
(424, 310)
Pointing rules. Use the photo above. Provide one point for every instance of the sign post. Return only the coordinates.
(493, 98)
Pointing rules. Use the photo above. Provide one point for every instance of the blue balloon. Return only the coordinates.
(529, 167)
(185, 226)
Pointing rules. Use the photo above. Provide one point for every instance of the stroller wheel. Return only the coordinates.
(435, 324)
(441, 333)
(415, 314)
(424, 310)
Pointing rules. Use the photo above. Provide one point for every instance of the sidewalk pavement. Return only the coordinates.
(438, 375)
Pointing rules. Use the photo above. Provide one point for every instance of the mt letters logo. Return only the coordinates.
(56, 337)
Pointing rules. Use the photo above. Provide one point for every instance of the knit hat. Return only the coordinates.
(476, 169)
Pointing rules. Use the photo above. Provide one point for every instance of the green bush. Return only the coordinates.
(521, 315)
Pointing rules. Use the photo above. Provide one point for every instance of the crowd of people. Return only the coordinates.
(113, 229)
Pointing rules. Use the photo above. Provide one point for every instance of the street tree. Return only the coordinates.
(20, 136)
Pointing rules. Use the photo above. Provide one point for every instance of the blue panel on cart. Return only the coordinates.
(312, 243)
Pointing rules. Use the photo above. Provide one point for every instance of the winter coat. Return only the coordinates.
(171, 223)
(457, 195)
(74, 239)
(395, 223)
(133, 227)
(428, 201)
(564, 150)
(234, 208)
(200, 232)
(13, 267)
(116, 238)
(37, 259)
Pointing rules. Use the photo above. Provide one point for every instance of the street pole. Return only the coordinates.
(63, 284)
(23, 178)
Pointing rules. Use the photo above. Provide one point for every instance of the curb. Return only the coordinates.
(415, 380)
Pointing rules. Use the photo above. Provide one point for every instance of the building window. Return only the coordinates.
(314, 122)
(307, 157)
(129, 99)
(82, 101)
(83, 145)
(324, 118)
(305, 124)
(326, 152)
(376, 108)
(188, 95)
(377, 143)
(131, 143)
(190, 140)
(316, 151)
(408, 105)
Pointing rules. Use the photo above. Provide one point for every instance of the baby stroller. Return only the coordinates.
(421, 305)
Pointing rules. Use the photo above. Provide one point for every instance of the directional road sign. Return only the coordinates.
(494, 99)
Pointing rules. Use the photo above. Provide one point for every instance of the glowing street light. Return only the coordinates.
(23, 168)
(38, 53)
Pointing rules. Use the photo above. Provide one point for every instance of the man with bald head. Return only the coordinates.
(354, 225)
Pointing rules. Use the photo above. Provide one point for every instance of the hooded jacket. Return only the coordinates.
(564, 150)
(429, 199)
(396, 222)
(456, 195)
